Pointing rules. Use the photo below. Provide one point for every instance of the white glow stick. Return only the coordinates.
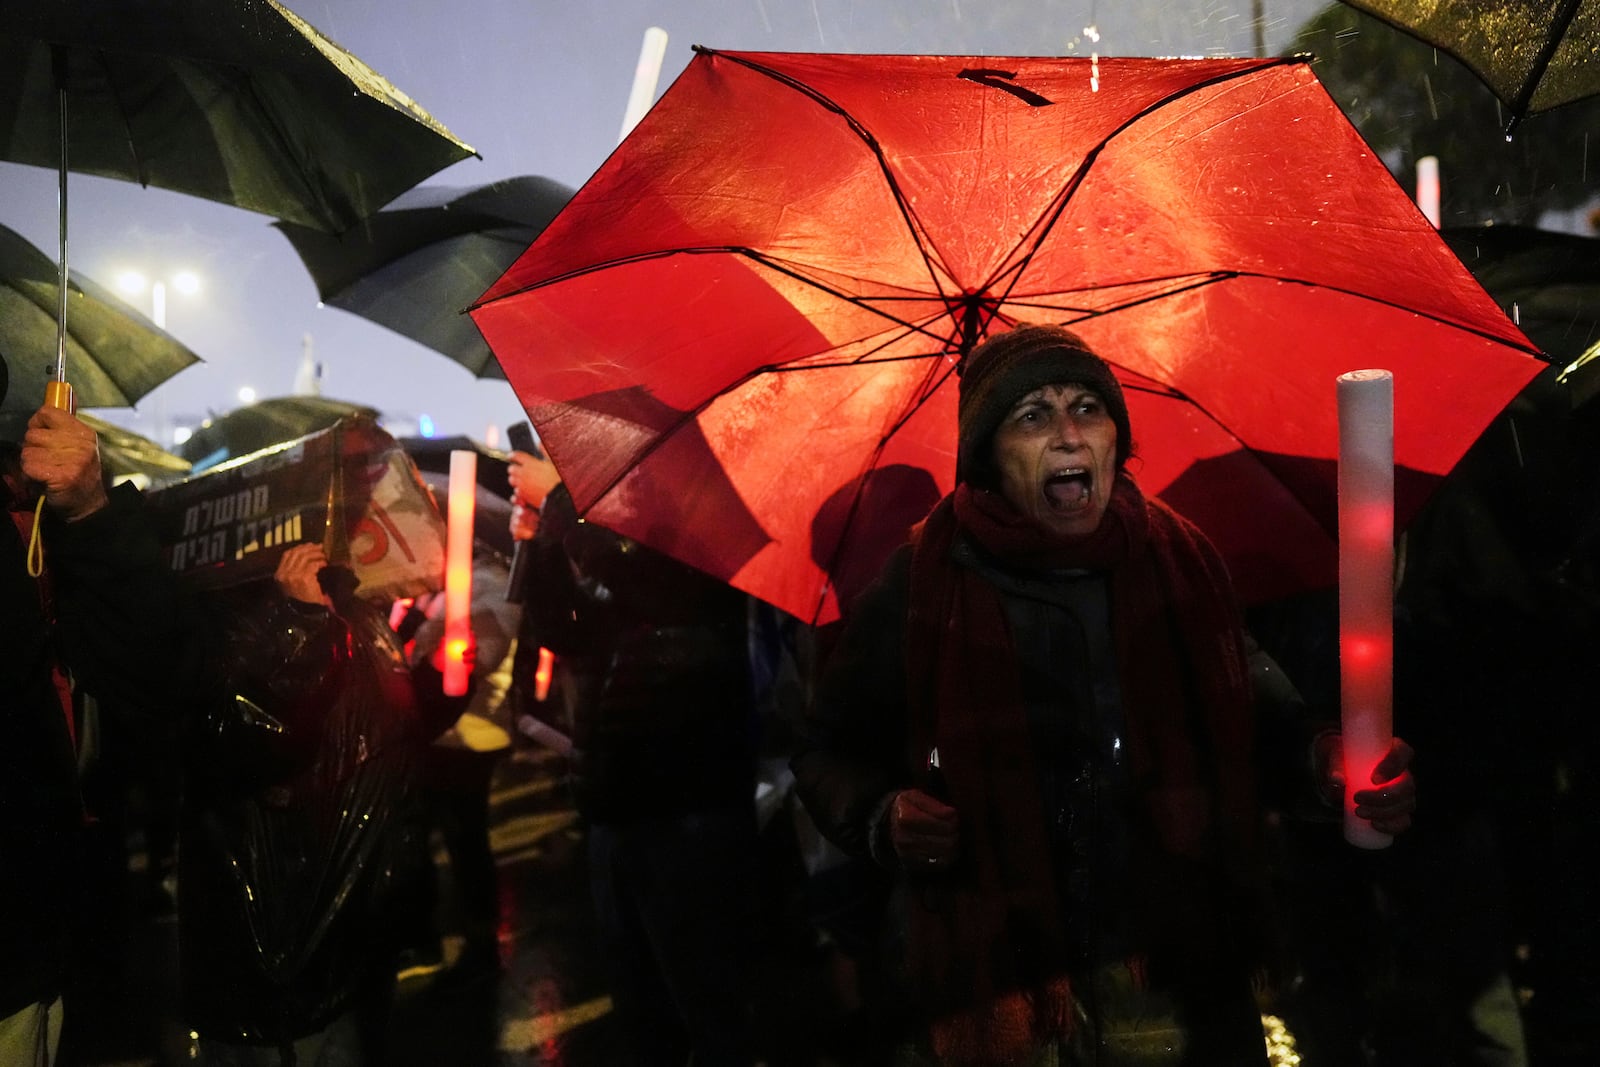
(1366, 585)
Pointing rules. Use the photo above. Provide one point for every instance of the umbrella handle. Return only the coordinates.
(57, 394)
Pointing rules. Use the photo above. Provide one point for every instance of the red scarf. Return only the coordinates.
(987, 944)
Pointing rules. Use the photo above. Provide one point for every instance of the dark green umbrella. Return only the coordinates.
(415, 265)
(1534, 54)
(125, 454)
(239, 101)
(117, 354)
(1548, 282)
(263, 424)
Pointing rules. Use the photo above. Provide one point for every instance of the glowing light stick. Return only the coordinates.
(458, 637)
(1366, 585)
(541, 674)
(1428, 188)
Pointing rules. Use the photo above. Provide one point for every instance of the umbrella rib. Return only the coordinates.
(690, 414)
(707, 250)
(1048, 220)
(124, 115)
(860, 131)
(1547, 51)
(871, 464)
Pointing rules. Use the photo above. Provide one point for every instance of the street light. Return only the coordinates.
(132, 283)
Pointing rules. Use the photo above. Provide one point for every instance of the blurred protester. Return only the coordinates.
(1042, 717)
(541, 709)
(663, 771)
(453, 782)
(297, 767)
(105, 617)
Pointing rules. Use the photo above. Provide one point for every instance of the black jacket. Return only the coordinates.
(296, 763)
(657, 652)
(119, 626)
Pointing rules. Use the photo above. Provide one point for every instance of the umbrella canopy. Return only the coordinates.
(117, 354)
(432, 456)
(789, 256)
(1534, 54)
(415, 266)
(1549, 281)
(264, 424)
(125, 454)
(239, 101)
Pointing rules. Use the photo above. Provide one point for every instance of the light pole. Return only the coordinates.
(132, 284)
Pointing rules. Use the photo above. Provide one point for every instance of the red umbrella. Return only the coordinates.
(794, 252)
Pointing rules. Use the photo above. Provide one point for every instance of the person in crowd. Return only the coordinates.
(102, 616)
(297, 764)
(1042, 718)
(454, 777)
(663, 774)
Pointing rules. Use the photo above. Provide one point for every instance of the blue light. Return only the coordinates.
(425, 425)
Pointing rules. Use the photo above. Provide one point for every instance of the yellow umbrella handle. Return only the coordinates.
(57, 394)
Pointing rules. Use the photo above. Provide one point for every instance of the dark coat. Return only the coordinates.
(664, 722)
(120, 627)
(297, 763)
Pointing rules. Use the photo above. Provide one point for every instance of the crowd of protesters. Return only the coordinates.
(1055, 798)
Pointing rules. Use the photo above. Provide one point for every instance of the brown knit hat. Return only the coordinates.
(1007, 367)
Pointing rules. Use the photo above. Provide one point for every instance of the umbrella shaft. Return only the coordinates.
(58, 62)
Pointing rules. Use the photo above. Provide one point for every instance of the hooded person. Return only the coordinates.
(1041, 717)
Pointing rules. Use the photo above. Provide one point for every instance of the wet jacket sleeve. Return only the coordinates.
(128, 629)
(850, 755)
(1286, 729)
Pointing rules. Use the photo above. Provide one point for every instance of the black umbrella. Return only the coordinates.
(125, 454)
(432, 455)
(1534, 54)
(117, 354)
(239, 101)
(414, 266)
(263, 424)
(1548, 282)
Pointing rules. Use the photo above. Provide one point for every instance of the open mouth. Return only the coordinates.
(1068, 490)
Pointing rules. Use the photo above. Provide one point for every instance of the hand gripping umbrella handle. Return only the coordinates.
(57, 391)
(57, 394)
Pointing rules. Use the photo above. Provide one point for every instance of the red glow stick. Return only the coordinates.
(541, 674)
(458, 638)
(1366, 585)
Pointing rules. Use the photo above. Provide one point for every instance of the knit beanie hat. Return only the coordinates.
(1007, 367)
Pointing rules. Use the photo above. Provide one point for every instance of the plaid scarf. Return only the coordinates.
(986, 941)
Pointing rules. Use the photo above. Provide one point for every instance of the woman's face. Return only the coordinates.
(1056, 451)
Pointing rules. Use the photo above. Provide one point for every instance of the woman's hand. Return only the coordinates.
(1390, 804)
(924, 831)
